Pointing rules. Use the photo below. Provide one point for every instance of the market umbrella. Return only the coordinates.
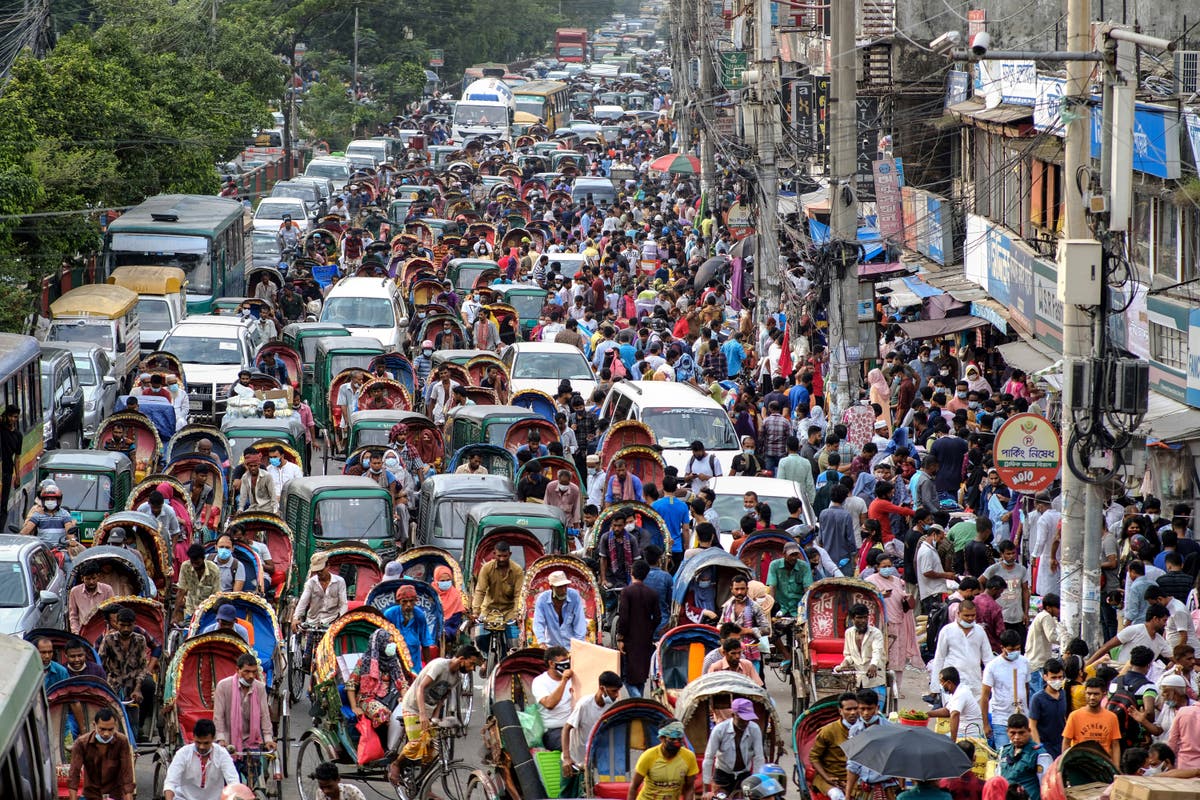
(679, 163)
(744, 248)
(899, 751)
(709, 270)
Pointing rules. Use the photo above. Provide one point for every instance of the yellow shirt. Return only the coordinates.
(665, 779)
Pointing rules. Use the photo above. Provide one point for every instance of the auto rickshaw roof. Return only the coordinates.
(340, 343)
(454, 485)
(515, 509)
(386, 417)
(312, 485)
(481, 413)
(88, 460)
(331, 329)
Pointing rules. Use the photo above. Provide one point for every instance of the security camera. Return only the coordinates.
(946, 42)
(981, 43)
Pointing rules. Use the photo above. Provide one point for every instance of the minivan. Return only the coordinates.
(367, 152)
(333, 168)
(62, 399)
(371, 307)
(596, 190)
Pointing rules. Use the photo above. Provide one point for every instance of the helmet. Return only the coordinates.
(51, 490)
(44, 483)
(427, 343)
(774, 771)
(761, 787)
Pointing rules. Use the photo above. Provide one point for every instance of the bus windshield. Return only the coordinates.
(570, 51)
(189, 253)
(480, 114)
(531, 105)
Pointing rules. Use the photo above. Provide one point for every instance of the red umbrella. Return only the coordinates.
(679, 163)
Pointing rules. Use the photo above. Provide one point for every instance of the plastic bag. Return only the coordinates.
(369, 746)
(530, 718)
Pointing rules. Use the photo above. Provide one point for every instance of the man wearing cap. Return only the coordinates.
(117, 537)
(257, 493)
(558, 613)
(412, 623)
(666, 771)
(324, 596)
(199, 579)
(735, 750)
(226, 622)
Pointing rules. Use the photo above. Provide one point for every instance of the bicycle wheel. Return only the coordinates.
(450, 783)
(296, 673)
(311, 754)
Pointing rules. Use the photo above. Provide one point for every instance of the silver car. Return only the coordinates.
(100, 388)
(33, 590)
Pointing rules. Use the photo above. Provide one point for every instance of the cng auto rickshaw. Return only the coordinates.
(94, 484)
(482, 424)
(333, 356)
(302, 337)
(531, 529)
(331, 510)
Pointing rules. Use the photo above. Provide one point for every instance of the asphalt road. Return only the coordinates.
(469, 750)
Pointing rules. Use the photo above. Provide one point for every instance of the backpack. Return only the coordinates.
(939, 617)
(1122, 699)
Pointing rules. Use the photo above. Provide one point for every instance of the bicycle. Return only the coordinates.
(780, 658)
(498, 641)
(612, 619)
(257, 769)
(301, 645)
(441, 777)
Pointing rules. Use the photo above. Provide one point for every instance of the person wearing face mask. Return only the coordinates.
(423, 366)
(826, 754)
(578, 728)
(412, 623)
(734, 751)
(1014, 601)
(124, 654)
(453, 607)
(1005, 688)
(898, 605)
(53, 524)
(558, 613)
(958, 705)
(102, 761)
(241, 713)
(552, 691)
(863, 651)
(200, 770)
(1048, 709)
(964, 646)
(374, 686)
(666, 771)
(281, 470)
(233, 572)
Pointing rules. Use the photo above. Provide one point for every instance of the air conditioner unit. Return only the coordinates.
(1187, 71)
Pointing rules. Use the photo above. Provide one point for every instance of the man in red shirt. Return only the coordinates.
(990, 617)
(882, 508)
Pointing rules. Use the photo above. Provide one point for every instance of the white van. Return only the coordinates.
(334, 168)
(367, 307)
(103, 315)
(162, 299)
(679, 414)
(367, 152)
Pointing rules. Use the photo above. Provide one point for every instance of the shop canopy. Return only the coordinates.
(930, 328)
(868, 237)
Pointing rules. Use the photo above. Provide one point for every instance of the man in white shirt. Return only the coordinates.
(439, 395)
(1180, 629)
(964, 646)
(931, 575)
(583, 719)
(200, 770)
(960, 705)
(552, 690)
(1145, 634)
(1005, 687)
(281, 470)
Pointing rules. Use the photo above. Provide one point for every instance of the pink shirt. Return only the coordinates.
(744, 666)
(1184, 738)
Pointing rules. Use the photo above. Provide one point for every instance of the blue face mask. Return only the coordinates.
(224, 553)
(103, 739)
(445, 585)
(889, 572)
(966, 626)
(276, 461)
(1013, 656)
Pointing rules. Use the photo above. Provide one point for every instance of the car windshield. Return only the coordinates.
(729, 507)
(154, 314)
(12, 585)
(203, 349)
(358, 518)
(484, 115)
(298, 192)
(679, 427)
(571, 366)
(98, 333)
(359, 312)
(264, 244)
(84, 491)
(334, 172)
(84, 369)
(278, 210)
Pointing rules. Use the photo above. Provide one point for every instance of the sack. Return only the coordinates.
(369, 747)
(530, 718)
(420, 749)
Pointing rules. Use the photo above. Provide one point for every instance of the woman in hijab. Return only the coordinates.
(453, 607)
(899, 439)
(881, 393)
(376, 683)
(975, 381)
(815, 419)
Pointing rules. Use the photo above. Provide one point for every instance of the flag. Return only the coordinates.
(785, 358)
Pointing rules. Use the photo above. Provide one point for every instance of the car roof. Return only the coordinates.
(362, 287)
(12, 544)
(78, 348)
(213, 320)
(545, 347)
(665, 393)
(764, 487)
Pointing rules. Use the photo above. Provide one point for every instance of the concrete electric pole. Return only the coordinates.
(766, 124)
(704, 106)
(842, 136)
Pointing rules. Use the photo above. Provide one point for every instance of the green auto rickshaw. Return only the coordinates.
(243, 432)
(302, 337)
(528, 299)
(328, 511)
(481, 424)
(547, 524)
(334, 354)
(94, 484)
(463, 272)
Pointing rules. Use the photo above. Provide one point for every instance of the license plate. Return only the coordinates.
(196, 405)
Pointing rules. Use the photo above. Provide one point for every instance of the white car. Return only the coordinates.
(543, 365)
(271, 211)
(212, 349)
(367, 307)
(775, 492)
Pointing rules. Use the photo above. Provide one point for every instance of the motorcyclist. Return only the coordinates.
(50, 522)
(289, 234)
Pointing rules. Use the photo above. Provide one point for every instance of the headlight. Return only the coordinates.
(89, 405)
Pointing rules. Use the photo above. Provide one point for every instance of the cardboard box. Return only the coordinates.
(1087, 791)
(284, 394)
(1134, 787)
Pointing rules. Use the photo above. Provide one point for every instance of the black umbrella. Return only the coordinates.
(744, 248)
(708, 270)
(899, 751)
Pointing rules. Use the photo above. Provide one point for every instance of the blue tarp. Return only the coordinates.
(920, 288)
(868, 237)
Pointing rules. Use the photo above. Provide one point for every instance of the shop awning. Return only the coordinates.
(920, 288)
(928, 328)
(867, 237)
(1003, 114)
(966, 108)
(1169, 421)
(1028, 355)
(952, 281)
(897, 293)
(881, 269)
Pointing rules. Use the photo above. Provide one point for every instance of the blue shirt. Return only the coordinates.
(1051, 717)
(675, 513)
(549, 630)
(734, 354)
(796, 395)
(662, 583)
(415, 631)
(628, 355)
(55, 672)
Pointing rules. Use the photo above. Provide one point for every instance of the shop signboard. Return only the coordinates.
(1027, 453)
(1155, 139)
(888, 208)
(1193, 373)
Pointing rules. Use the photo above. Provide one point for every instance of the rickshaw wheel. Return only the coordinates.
(307, 759)
(282, 746)
(296, 675)
(451, 784)
(162, 760)
(477, 789)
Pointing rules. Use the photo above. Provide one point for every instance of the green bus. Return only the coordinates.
(202, 235)
(26, 755)
(21, 386)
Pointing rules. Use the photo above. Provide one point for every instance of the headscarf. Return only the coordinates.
(815, 419)
(978, 383)
(705, 596)
(452, 600)
(375, 663)
(880, 391)
(899, 439)
(757, 591)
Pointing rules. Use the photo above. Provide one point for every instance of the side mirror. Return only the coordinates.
(47, 599)
(109, 380)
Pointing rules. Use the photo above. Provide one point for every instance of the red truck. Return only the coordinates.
(570, 44)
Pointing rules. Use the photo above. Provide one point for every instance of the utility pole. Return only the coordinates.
(354, 81)
(704, 109)
(766, 249)
(843, 208)
(684, 32)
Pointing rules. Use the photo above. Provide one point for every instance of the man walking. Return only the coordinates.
(734, 751)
